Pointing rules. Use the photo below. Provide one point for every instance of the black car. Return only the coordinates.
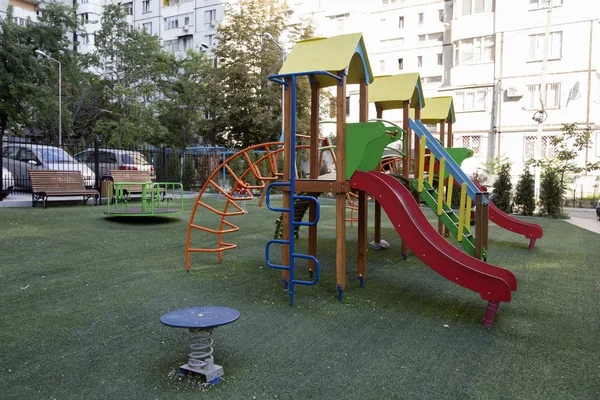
(598, 210)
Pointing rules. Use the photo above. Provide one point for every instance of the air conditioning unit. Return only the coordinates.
(514, 91)
(186, 28)
(213, 23)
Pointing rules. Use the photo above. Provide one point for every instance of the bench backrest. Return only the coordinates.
(125, 176)
(46, 179)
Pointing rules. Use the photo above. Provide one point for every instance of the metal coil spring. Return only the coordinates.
(202, 350)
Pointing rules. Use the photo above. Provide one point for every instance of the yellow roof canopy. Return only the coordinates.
(391, 91)
(437, 109)
(338, 53)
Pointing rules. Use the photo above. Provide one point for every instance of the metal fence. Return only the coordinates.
(190, 166)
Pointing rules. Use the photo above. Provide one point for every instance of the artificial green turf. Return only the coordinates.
(82, 296)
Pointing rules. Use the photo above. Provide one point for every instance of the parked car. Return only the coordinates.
(7, 183)
(115, 159)
(598, 210)
(20, 157)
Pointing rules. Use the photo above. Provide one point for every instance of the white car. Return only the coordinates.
(108, 159)
(19, 157)
(7, 183)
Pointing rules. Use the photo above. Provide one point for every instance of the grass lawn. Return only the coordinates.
(82, 296)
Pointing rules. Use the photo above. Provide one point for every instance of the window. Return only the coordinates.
(19, 21)
(171, 45)
(84, 39)
(471, 100)
(419, 61)
(127, 7)
(470, 7)
(382, 65)
(547, 149)
(439, 59)
(147, 27)
(552, 100)
(472, 142)
(428, 80)
(474, 51)
(186, 19)
(394, 41)
(533, 4)
(400, 64)
(421, 19)
(441, 15)
(210, 16)
(83, 1)
(347, 106)
(84, 17)
(401, 22)
(171, 23)
(146, 6)
(431, 37)
(536, 46)
(185, 42)
(209, 40)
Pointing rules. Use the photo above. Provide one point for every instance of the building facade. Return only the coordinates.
(488, 55)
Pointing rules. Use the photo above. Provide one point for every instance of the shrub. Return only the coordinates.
(189, 174)
(525, 196)
(503, 189)
(551, 194)
(173, 167)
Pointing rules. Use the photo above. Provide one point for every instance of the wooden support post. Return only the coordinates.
(362, 196)
(449, 138)
(407, 157)
(287, 173)
(315, 168)
(340, 198)
(441, 228)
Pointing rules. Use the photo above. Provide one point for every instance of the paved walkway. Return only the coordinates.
(584, 218)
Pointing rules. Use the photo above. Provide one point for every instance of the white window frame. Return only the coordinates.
(147, 26)
(146, 6)
(471, 100)
(532, 96)
(401, 22)
(401, 64)
(483, 49)
(540, 4)
(536, 46)
(419, 61)
(210, 17)
(546, 151)
(476, 7)
(440, 59)
(421, 19)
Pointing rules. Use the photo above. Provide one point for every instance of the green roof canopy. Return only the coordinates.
(338, 53)
(437, 109)
(391, 91)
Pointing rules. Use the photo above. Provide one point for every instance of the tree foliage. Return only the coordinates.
(250, 105)
(503, 189)
(551, 193)
(525, 193)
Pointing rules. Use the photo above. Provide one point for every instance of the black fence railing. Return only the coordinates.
(190, 166)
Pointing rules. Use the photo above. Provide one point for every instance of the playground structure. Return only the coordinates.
(339, 61)
(155, 199)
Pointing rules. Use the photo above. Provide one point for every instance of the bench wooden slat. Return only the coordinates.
(46, 183)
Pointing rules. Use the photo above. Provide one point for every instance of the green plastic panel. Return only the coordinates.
(365, 142)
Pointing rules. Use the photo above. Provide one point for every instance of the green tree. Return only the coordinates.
(249, 110)
(551, 193)
(503, 189)
(525, 193)
(133, 65)
(187, 101)
(188, 175)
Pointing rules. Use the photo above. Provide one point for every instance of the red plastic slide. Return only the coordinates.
(510, 223)
(493, 283)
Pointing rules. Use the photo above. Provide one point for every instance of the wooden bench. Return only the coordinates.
(133, 178)
(50, 183)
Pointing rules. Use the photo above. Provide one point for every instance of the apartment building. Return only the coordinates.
(23, 10)
(488, 55)
(179, 24)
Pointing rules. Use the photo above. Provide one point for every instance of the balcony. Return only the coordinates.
(470, 26)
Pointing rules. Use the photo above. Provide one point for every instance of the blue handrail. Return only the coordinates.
(439, 152)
